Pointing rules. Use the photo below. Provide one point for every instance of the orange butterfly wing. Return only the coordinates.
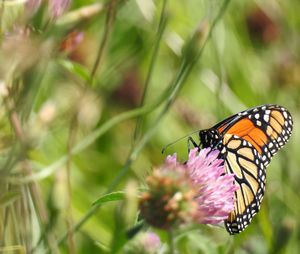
(266, 127)
(247, 141)
(243, 160)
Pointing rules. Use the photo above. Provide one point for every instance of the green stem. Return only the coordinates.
(171, 241)
(160, 31)
(110, 18)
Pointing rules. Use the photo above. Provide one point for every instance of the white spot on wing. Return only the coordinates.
(266, 118)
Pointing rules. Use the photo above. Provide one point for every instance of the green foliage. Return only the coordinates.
(86, 119)
(113, 196)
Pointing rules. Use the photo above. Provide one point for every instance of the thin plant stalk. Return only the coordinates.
(110, 18)
(69, 216)
(171, 241)
(160, 31)
(1, 14)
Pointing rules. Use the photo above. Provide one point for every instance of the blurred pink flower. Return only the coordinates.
(151, 242)
(58, 7)
(31, 6)
(144, 243)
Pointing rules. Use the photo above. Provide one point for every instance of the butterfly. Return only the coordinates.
(247, 141)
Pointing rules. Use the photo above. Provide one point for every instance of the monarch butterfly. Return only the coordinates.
(247, 141)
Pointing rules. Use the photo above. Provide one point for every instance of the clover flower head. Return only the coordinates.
(197, 191)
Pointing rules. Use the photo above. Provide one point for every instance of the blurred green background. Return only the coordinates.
(66, 138)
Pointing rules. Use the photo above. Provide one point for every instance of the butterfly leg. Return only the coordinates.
(190, 142)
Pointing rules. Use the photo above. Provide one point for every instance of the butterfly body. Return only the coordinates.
(247, 141)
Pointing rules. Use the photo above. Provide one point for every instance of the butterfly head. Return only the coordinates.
(209, 138)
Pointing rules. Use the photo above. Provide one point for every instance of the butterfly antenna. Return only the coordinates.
(177, 140)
